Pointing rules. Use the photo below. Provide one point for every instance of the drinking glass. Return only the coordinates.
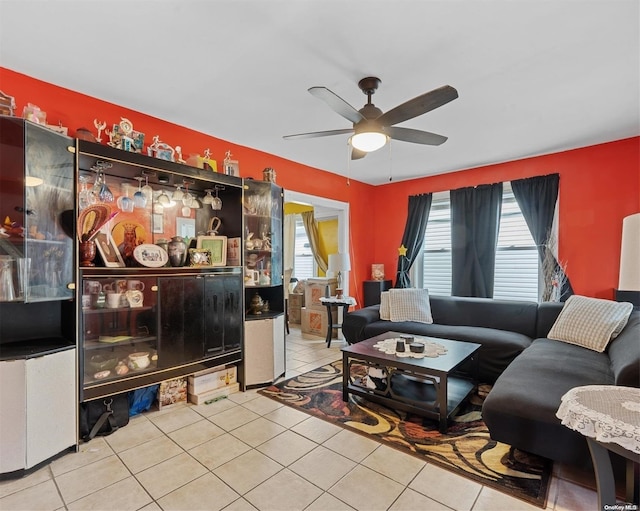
(139, 198)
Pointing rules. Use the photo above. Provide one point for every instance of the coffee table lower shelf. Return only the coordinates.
(419, 397)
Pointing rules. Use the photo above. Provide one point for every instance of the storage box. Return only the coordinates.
(213, 395)
(212, 381)
(295, 303)
(315, 322)
(172, 392)
(315, 289)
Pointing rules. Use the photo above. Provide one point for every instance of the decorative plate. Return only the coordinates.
(151, 256)
(92, 219)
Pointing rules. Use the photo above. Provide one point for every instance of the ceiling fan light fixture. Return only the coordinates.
(368, 141)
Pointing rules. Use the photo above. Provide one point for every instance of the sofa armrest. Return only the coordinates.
(624, 353)
(354, 322)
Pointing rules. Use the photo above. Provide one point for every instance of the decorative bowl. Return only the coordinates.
(139, 360)
(102, 362)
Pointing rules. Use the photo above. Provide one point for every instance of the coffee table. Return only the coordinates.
(425, 386)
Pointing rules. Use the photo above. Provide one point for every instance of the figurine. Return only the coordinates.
(179, 155)
(161, 150)
(100, 126)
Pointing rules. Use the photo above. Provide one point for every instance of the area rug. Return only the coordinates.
(465, 449)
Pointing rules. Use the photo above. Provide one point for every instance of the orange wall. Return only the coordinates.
(599, 185)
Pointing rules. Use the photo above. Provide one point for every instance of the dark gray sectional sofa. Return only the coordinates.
(529, 372)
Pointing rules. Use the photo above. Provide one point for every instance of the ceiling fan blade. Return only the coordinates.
(415, 136)
(356, 154)
(316, 134)
(419, 105)
(337, 104)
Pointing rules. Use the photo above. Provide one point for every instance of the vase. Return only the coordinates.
(87, 253)
(177, 251)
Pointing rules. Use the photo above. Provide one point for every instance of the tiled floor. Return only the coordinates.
(249, 452)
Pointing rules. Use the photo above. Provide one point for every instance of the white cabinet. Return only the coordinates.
(38, 398)
(264, 350)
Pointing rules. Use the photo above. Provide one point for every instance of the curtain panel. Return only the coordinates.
(413, 237)
(537, 198)
(311, 228)
(475, 218)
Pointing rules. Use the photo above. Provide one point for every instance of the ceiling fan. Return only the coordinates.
(371, 127)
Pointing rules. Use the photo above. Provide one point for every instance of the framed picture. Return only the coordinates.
(232, 168)
(199, 257)
(217, 245)
(108, 250)
(158, 223)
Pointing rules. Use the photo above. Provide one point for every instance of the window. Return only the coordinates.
(516, 272)
(304, 262)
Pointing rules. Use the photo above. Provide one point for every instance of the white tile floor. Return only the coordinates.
(249, 452)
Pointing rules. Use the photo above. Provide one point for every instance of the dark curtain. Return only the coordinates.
(475, 217)
(537, 197)
(417, 217)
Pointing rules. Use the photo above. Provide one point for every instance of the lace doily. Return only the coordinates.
(607, 413)
(431, 349)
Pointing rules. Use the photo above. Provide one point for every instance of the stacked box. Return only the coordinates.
(295, 304)
(315, 321)
(315, 289)
(172, 393)
(214, 395)
(204, 382)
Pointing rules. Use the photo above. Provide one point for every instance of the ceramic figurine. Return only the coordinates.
(100, 126)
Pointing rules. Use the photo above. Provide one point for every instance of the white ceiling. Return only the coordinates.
(534, 76)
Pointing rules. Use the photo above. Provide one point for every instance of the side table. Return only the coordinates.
(345, 302)
(609, 416)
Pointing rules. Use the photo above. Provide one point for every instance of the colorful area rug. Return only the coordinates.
(465, 449)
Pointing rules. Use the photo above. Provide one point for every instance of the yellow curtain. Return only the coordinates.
(311, 228)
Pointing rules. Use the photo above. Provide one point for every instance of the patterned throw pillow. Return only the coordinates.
(590, 322)
(410, 305)
(385, 313)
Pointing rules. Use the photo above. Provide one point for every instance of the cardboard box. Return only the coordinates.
(212, 381)
(296, 300)
(315, 289)
(213, 395)
(172, 393)
(295, 315)
(315, 322)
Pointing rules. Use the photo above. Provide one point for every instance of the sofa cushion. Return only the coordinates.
(511, 315)
(520, 409)
(590, 322)
(410, 304)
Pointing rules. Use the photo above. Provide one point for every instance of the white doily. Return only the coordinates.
(431, 349)
(608, 413)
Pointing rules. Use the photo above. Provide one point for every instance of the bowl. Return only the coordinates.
(102, 362)
(139, 360)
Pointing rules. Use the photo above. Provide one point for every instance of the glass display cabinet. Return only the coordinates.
(36, 211)
(161, 295)
(264, 359)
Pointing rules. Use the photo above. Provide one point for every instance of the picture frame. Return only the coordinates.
(232, 168)
(217, 245)
(108, 249)
(158, 223)
(199, 257)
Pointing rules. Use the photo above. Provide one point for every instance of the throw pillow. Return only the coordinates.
(384, 306)
(410, 305)
(590, 322)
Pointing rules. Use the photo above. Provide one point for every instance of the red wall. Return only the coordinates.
(599, 185)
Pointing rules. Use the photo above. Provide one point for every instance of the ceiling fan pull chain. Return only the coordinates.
(348, 163)
(390, 163)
